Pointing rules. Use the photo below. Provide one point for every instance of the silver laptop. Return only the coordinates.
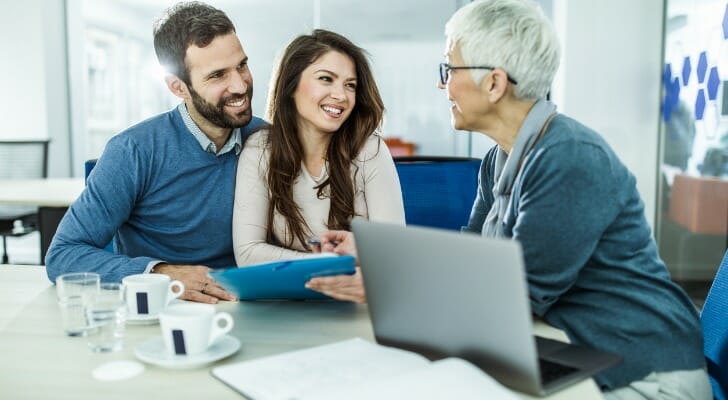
(443, 293)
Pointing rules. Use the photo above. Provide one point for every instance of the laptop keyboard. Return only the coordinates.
(551, 371)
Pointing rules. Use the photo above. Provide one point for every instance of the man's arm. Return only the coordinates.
(92, 220)
(117, 183)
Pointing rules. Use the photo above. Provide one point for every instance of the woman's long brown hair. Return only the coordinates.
(286, 150)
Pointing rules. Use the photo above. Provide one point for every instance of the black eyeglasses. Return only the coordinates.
(445, 69)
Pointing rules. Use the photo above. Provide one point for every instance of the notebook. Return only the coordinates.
(447, 294)
(284, 279)
(355, 369)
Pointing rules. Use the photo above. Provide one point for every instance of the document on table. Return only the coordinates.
(357, 369)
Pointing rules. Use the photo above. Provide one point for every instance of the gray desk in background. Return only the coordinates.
(53, 196)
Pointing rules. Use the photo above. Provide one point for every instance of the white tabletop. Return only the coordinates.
(40, 362)
(49, 192)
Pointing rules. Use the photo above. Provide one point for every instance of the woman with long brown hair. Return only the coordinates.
(320, 162)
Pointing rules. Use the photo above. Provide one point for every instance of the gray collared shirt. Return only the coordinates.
(234, 142)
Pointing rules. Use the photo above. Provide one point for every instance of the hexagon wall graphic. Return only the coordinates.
(713, 83)
(666, 109)
(671, 100)
(702, 67)
(725, 23)
(700, 105)
(687, 68)
(667, 76)
(675, 93)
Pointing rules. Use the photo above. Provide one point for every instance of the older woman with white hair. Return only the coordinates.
(555, 185)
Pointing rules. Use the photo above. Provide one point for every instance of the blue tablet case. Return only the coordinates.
(282, 280)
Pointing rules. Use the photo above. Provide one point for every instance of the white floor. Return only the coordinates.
(24, 249)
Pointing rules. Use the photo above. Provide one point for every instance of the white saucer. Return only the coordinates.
(149, 319)
(142, 319)
(153, 352)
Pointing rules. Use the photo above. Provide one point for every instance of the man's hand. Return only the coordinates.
(340, 287)
(198, 285)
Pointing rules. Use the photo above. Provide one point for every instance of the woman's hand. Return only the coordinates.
(339, 242)
(340, 287)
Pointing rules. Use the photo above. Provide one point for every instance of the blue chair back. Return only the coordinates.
(87, 167)
(438, 191)
(714, 319)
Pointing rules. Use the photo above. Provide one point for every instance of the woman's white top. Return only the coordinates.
(378, 197)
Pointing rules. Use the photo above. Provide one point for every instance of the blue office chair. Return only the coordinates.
(87, 167)
(438, 191)
(715, 331)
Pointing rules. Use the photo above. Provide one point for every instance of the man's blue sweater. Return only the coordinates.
(159, 195)
(591, 262)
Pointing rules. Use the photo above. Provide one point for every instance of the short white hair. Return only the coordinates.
(513, 35)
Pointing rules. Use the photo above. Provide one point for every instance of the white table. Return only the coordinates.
(49, 192)
(39, 362)
(51, 195)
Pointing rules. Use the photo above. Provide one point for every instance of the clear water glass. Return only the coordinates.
(74, 291)
(106, 312)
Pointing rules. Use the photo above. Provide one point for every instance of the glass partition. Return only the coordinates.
(693, 194)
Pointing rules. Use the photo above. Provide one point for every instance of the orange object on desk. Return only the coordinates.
(398, 147)
(700, 204)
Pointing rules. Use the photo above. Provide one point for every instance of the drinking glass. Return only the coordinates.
(73, 291)
(106, 311)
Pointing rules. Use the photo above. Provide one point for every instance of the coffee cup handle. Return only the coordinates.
(171, 295)
(217, 331)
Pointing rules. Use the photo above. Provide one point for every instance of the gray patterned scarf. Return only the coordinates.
(508, 165)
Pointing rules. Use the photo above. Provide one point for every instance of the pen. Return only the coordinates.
(314, 241)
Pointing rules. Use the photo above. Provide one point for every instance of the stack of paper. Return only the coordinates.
(357, 369)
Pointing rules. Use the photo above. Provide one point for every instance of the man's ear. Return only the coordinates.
(495, 85)
(177, 86)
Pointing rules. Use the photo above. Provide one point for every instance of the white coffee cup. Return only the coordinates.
(148, 294)
(191, 328)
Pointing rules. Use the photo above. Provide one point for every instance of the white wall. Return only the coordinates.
(131, 71)
(56, 83)
(33, 77)
(609, 78)
(416, 110)
(22, 73)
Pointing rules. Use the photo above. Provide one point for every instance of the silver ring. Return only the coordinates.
(204, 286)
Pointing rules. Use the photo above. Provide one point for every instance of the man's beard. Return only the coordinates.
(216, 113)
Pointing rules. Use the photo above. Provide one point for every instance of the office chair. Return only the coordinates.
(21, 159)
(715, 331)
(87, 167)
(438, 191)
